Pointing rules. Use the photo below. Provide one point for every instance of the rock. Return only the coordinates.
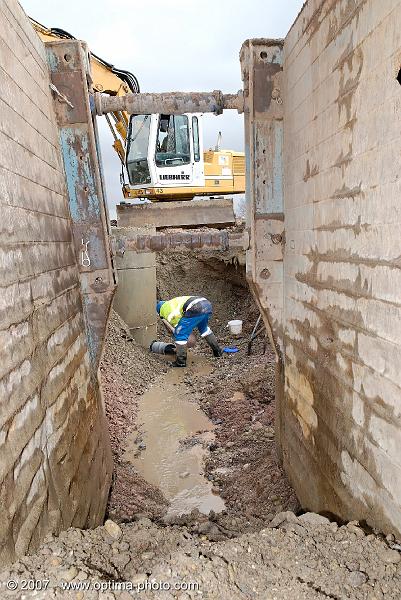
(123, 546)
(357, 530)
(121, 560)
(138, 578)
(68, 574)
(144, 522)
(352, 565)
(357, 578)
(204, 527)
(113, 529)
(257, 425)
(298, 529)
(82, 576)
(391, 557)
(147, 555)
(140, 516)
(184, 474)
(55, 561)
(313, 519)
(142, 446)
(281, 518)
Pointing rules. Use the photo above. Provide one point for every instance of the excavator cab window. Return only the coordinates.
(195, 135)
(137, 150)
(172, 145)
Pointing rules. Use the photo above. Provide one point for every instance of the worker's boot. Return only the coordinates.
(181, 356)
(213, 343)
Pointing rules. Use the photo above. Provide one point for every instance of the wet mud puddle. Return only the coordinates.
(169, 451)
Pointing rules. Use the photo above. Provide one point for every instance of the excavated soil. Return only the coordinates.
(294, 558)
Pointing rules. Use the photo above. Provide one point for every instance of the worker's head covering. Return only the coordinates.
(159, 305)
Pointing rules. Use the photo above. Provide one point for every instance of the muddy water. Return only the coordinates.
(166, 418)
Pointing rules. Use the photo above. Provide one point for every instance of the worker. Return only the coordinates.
(184, 313)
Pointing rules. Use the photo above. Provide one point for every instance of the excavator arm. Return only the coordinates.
(107, 79)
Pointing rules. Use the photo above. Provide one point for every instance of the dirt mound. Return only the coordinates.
(304, 558)
(243, 463)
(127, 370)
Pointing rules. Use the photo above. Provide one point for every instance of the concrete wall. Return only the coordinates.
(55, 463)
(341, 423)
(338, 337)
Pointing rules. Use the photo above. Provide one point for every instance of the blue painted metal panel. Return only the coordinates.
(79, 174)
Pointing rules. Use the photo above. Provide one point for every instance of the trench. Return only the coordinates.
(196, 443)
(212, 422)
(168, 417)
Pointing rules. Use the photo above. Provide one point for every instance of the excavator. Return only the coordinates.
(162, 155)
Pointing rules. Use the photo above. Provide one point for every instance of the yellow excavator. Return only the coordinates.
(162, 155)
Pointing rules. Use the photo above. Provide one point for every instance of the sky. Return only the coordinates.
(170, 45)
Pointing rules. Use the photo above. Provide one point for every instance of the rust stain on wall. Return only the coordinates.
(310, 171)
(344, 159)
(348, 84)
(264, 85)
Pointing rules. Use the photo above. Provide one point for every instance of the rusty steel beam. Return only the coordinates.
(216, 212)
(217, 240)
(174, 103)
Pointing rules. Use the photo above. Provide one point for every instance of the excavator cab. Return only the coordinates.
(165, 152)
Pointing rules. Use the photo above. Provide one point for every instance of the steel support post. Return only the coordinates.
(70, 73)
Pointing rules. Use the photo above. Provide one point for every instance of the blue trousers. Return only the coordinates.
(186, 325)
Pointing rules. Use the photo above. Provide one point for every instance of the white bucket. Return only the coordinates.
(235, 326)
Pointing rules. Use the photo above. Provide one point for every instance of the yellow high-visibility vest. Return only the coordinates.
(172, 310)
